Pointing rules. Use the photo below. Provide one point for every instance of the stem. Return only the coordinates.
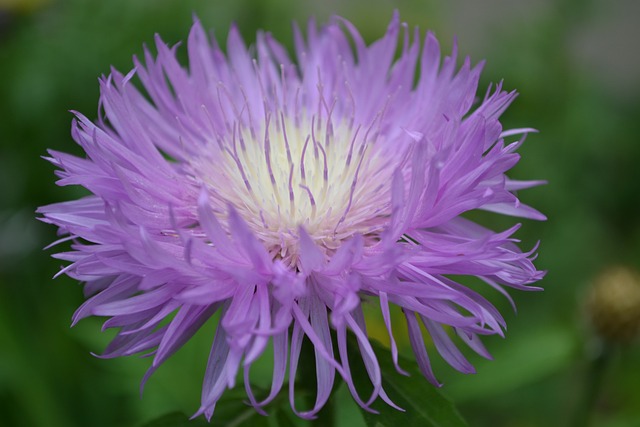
(593, 384)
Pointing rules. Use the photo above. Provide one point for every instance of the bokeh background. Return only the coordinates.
(576, 65)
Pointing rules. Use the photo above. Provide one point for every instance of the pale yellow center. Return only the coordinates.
(331, 181)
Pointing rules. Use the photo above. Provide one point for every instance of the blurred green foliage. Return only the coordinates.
(51, 54)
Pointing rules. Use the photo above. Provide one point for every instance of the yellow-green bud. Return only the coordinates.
(614, 304)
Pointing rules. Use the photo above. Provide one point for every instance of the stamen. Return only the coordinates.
(329, 129)
(320, 88)
(277, 122)
(311, 200)
(353, 141)
(347, 86)
(313, 138)
(234, 156)
(240, 168)
(246, 103)
(258, 75)
(241, 138)
(267, 154)
(304, 151)
(291, 195)
(286, 141)
(325, 169)
(373, 122)
(352, 190)
(283, 90)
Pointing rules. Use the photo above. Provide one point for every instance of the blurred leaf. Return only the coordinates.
(175, 419)
(424, 406)
(240, 417)
(526, 359)
(284, 420)
(231, 411)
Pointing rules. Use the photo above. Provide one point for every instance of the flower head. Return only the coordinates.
(280, 192)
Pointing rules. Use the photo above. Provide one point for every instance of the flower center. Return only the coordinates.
(327, 178)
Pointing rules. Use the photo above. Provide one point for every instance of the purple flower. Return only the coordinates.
(282, 193)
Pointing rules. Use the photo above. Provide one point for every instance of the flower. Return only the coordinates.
(282, 193)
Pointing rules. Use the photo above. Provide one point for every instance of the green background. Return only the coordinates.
(576, 65)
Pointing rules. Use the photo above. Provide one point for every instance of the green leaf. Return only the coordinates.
(231, 411)
(283, 419)
(423, 404)
(507, 375)
(176, 419)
